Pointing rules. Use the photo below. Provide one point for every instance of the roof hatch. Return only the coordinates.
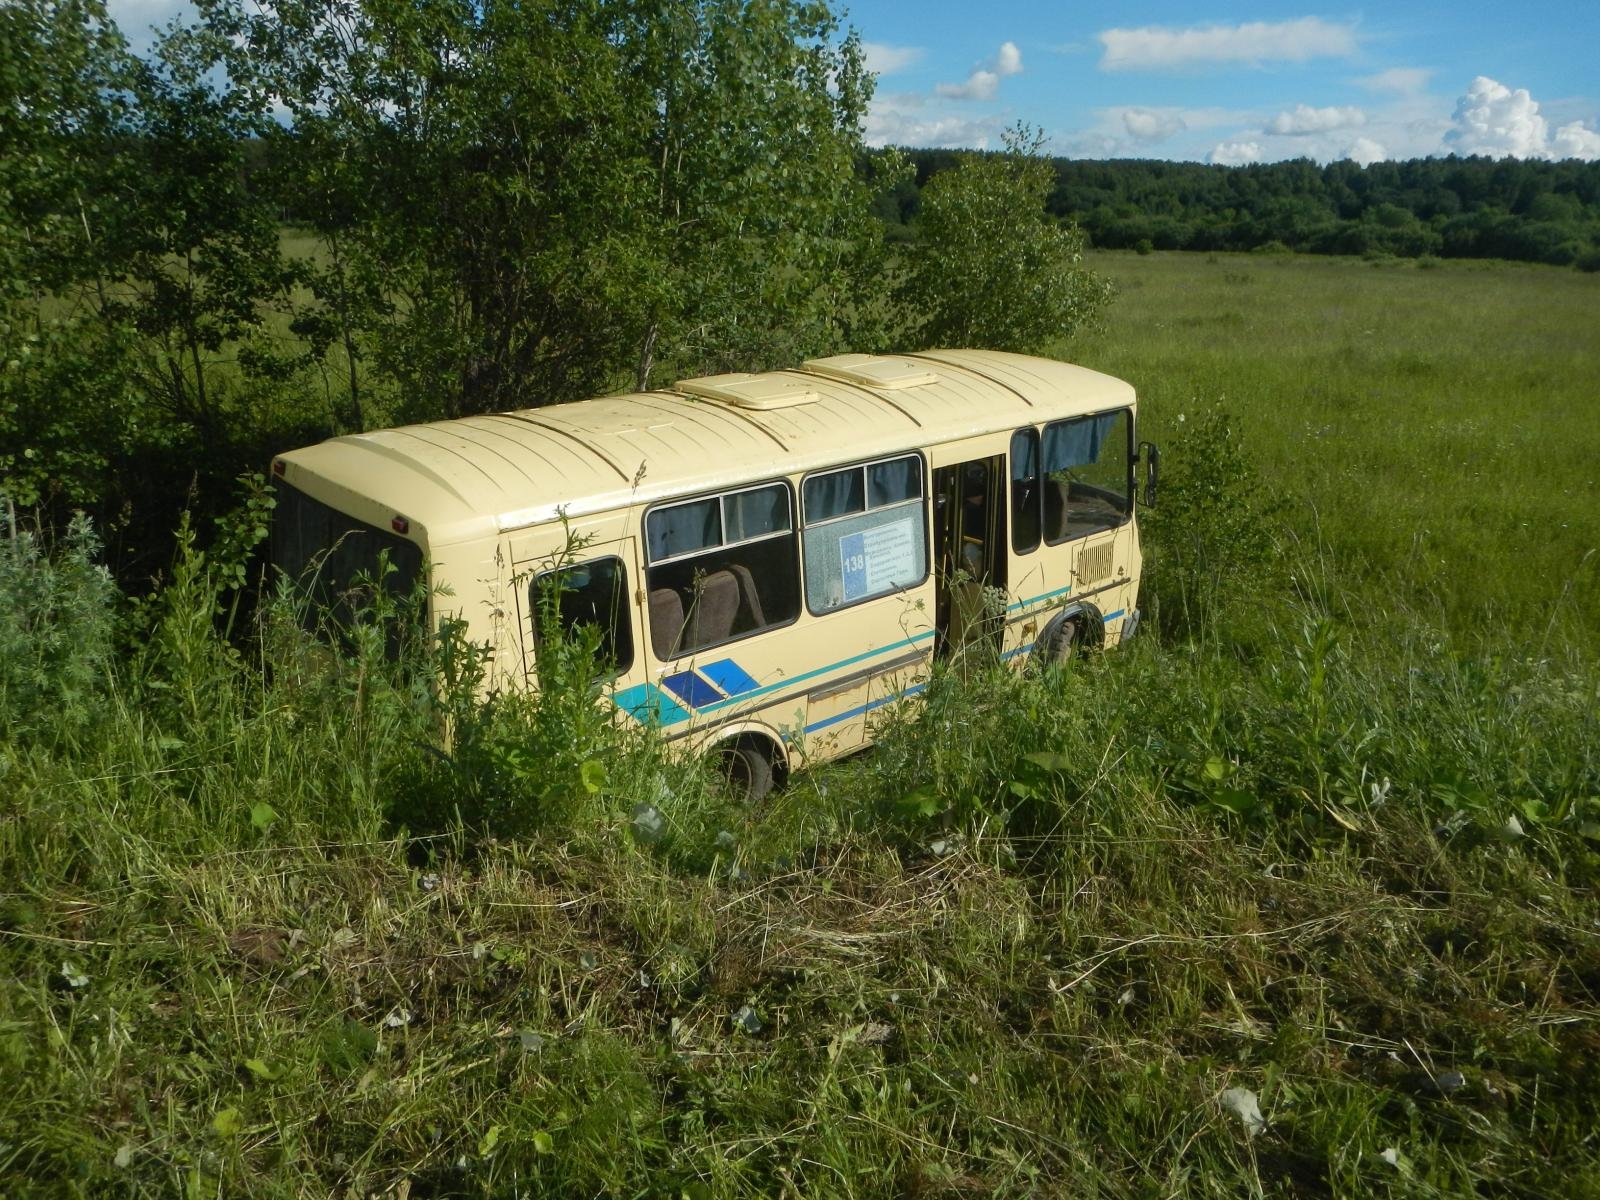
(749, 391)
(874, 370)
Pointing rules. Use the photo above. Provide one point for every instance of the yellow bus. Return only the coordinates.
(768, 558)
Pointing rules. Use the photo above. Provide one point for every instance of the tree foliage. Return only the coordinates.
(292, 220)
(992, 268)
(520, 203)
(1452, 207)
(140, 271)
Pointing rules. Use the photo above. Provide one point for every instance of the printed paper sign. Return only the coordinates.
(878, 560)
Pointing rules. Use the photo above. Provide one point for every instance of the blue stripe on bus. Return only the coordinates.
(691, 689)
(647, 703)
(791, 680)
(1036, 599)
(860, 709)
(729, 676)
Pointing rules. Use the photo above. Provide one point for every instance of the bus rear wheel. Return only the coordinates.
(746, 769)
(1060, 642)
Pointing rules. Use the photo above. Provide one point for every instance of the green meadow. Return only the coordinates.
(1436, 421)
(1293, 896)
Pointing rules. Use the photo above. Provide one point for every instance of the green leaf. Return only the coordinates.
(1216, 768)
(592, 775)
(262, 816)
(1234, 800)
(1048, 761)
(542, 1143)
(261, 1070)
(922, 802)
(489, 1141)
(228, 1123)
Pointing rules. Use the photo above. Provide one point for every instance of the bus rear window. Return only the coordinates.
(329, 553)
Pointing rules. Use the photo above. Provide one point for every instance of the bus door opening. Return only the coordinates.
(969, 550)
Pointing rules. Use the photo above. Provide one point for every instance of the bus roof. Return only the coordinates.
(480, 475)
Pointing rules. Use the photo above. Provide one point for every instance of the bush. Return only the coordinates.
(993, 268)
(57, 615)
(1215, 525)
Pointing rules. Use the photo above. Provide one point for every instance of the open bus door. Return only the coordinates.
(969, 551)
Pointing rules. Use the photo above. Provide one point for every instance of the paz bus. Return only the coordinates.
(768, 558)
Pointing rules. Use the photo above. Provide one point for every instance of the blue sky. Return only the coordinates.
(1239, 84)
(1226, 84)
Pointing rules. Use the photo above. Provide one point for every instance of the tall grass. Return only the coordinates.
(1438, 427)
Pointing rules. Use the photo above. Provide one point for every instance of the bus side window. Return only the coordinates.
(721, 568)
(865, 532)
(1027, 498)
(586, 595)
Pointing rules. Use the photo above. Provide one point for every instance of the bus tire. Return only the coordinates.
(746, 766)
(1061, 641)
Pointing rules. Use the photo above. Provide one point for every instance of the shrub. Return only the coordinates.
(57, 614)
(1214, 526)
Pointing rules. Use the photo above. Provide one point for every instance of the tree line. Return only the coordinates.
(1527, 210)
(497, 204)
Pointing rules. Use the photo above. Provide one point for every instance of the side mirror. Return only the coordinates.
(1150, 455)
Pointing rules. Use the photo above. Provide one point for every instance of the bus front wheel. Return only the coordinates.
(746, 767)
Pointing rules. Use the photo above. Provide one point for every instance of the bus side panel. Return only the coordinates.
(533, 551)
(813, 683)
(470, 582)
(859, 661)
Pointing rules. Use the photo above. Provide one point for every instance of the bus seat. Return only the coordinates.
(666, 622)
(749, 598)
(716, 607)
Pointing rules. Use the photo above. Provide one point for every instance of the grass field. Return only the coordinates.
(1295, 899)
(1439, 423)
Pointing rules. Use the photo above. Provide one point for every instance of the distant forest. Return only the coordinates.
(1452, 207)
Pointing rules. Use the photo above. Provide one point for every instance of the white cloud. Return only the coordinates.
(980, 85)
(1575, 141)
(883, 59)
(1403, 81)
(1366, 152)
(1131, 131)
(1152, 125)
(908, 119)
(1236, 154)
(1305, 119)
(1493, 119)
(984, 82)
(1503, 122)
(1155, 47)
